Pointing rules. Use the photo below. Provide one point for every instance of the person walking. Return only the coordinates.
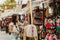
(13, 28)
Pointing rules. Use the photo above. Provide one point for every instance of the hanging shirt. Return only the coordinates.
(30, 30)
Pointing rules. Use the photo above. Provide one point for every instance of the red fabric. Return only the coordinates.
(43, 35)
(48, 25)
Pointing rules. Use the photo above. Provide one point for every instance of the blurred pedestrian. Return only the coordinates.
(13, 28)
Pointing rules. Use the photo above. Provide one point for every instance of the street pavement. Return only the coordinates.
(4, 36)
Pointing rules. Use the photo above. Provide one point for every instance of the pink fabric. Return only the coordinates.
(32, 31)
(58, 24)
(58, 20)
(35, 22)
(47, 36)
(50, 38)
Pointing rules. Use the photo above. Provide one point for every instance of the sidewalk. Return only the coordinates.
(4, 36)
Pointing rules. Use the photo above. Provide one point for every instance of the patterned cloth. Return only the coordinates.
(30, 30)
(58, 22)
(51, 37)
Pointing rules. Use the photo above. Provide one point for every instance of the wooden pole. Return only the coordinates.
(30, 10)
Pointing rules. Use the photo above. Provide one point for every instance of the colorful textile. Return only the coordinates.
(30, 31)
(48, 25)
(51, 37)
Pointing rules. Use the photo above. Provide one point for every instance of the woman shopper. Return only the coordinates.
(13, 28)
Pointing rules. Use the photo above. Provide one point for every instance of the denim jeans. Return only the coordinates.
(13, 36)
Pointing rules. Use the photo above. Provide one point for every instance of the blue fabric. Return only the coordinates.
(13, 36)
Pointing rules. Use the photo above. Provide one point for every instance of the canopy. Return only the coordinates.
(10, 13)
(25, 9)
(4, 15)
(24, 1)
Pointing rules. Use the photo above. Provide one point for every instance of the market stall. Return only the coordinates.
(37, 13)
